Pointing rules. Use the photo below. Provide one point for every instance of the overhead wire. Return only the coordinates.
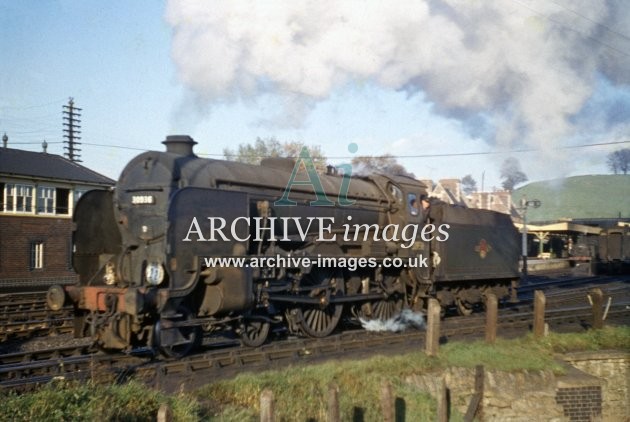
(429, 155)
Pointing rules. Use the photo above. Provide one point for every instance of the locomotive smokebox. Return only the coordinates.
(180, 145)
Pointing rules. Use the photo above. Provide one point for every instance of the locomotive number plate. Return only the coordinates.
(143, 199)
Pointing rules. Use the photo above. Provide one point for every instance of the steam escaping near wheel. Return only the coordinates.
(406, 319)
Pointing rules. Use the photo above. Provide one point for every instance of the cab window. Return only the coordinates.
(396, 193)
(412, 204)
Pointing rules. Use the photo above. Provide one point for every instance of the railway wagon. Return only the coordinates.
(613, 250)
(185, 245)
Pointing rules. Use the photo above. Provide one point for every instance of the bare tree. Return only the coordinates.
(469, 185)
(619, 161)
(271, 147)
(511, 173)
(380, 164)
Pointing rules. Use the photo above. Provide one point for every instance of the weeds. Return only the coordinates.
(300, 392)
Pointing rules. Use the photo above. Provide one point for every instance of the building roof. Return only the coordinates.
(449, 191)
(561, 227)
(577, 198)
(17, 162)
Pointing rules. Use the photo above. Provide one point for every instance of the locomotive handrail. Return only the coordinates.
(145, 188)
(219, 183)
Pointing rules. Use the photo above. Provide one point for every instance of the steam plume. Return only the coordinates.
(406, 319)
(524, 68)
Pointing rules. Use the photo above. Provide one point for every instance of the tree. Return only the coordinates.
(619, 161)
(469, 185)
(511, 174)
(380, 164)
(271, 147)
(253, 154)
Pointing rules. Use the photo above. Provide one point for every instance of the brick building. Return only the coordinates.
(38, 192)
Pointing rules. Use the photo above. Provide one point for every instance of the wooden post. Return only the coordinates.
(266, 406)
(539, 313)
(491, 317)
(597, 297)
(165, 414)
(475, 402)
(514, 292)
(333, 403)
(387, 402)
(443, 405)
(433, 328)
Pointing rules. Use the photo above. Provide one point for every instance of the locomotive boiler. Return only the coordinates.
(185, 245)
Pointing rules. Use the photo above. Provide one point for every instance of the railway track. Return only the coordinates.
(530, 284)
(25, 315)
(25, 370)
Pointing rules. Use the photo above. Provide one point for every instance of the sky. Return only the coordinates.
(448, 87)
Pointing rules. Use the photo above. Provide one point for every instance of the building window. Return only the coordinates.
(2, 190)
(45, 200)
(63, 200)
(19, 198)
(37, 255)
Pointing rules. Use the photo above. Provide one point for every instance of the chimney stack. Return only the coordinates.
(180, 145)
(5, 140)
(45, 146)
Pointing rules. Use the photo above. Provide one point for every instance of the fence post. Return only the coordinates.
(165, 414)
(266, 406)
(433, 328)
(333, 403)
(598, 312)
(514, 292)
(443, 405)
(387, 402)
(539, 313)
(491, 317)
(475, 401)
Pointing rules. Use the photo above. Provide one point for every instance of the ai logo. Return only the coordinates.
(306, 161)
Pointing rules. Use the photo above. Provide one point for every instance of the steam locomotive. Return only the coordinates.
(185, 246)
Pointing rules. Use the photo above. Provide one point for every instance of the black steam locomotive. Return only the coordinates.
(185, 245)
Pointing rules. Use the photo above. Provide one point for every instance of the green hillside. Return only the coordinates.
(578, 197)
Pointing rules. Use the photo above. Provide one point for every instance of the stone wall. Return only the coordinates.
(507, 397)
(595, 388)
(612, 368)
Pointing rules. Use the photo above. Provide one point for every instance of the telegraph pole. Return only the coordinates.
(72, 130)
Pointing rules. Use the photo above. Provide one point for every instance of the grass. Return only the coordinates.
(592, 340)
(300, 392)
(64, 401)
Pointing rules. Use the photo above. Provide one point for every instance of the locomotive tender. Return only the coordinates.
(148, 272)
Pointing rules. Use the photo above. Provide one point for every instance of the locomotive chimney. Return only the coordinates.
(180, 144)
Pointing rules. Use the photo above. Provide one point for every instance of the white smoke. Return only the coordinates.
(406, 319)
(512, 70)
